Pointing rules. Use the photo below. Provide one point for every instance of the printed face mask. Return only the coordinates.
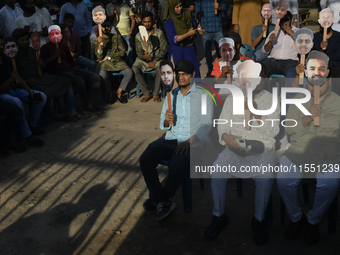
(98, 15)
(11, 49)
(55, 36)
(326, 18)
(35, 42)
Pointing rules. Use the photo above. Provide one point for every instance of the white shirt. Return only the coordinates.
(45, 13)
(35, 23)
(7, 18)
(283, 48)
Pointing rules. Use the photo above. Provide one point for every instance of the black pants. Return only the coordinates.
(179, 167)
(85, 45)
(13, 115)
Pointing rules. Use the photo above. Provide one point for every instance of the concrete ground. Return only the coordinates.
(82, 193)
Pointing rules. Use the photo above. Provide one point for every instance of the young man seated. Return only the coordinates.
(314, 150)
(88, 84)
(150, 59)
(73, 42)
(281, 48)
(19, 93)
(111, 59)
(187, 130)
(52, 85)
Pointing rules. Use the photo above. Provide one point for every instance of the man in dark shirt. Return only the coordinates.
(18, 94)
(52, 85)
(80, 79)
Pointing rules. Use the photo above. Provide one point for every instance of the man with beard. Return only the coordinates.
(8, 14)
(331, 48)
(149, 60)
(187, 135)
(82, 23)
(313, 151)
(39, 8)
(32, 21)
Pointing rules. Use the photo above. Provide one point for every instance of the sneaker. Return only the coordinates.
(33, 141)
(164, 209)
(217, 224)
(294, 228)
(260, 233)
(36, 131)
(149, 205)
(312, 233)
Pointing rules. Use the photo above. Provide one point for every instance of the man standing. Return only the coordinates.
(39, 8)
(8, 14)
(185, 137)
(312, 147)
(149, 59)
(82, 24)
(125, 23)
(212, 24)
(32, 21)
(283, 55)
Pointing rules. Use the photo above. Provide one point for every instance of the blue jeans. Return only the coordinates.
(69, 101)
(279, 66)
(86, 62)
(19, 97)
(207, 40)
(129, 57)
(259, 56)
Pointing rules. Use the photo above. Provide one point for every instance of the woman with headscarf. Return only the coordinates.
(179, 27)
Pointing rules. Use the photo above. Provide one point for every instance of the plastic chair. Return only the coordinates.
(247, 48)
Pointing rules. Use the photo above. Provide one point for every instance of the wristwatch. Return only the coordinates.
(295, 20)
(109, 58)
(199, 28)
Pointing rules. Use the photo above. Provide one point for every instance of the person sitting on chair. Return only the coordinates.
(186, 131)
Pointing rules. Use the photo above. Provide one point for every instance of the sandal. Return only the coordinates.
(157, 99)
(146, 98)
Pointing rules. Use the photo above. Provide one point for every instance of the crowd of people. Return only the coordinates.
(41, 61)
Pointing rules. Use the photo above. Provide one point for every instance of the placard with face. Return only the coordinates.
(248, 75)
(317, 68)
(55, 34)
(326, 17)
(267, 11)
(281, 8)
(98, 15)
(35, 38)
(168, 77)
(303, 40)
(10, 47)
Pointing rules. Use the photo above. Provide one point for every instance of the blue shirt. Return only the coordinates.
(211, 22)
(83, 21)
(256, 31)
(188, 118)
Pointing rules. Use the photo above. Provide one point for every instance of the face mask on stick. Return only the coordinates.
(326, 19)
(55, 37)
(266, 12)
(11, 50)
(35, 39)
(280, 12)
(98, 15)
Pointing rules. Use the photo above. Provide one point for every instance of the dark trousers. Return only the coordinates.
(279, 66)
(179, 168)
(88, 85)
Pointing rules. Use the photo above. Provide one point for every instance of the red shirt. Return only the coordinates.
(217, 69)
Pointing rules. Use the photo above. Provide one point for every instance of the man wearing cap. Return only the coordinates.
(314, 150)
(80, 79)
(283, 55)
(186, 136)
(230, 52)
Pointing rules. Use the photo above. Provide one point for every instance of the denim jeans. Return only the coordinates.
(69, 101)
(129, 57)
(207, 41)
(86, 62)
(19, 97)
(259, 56)
(279, 66)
